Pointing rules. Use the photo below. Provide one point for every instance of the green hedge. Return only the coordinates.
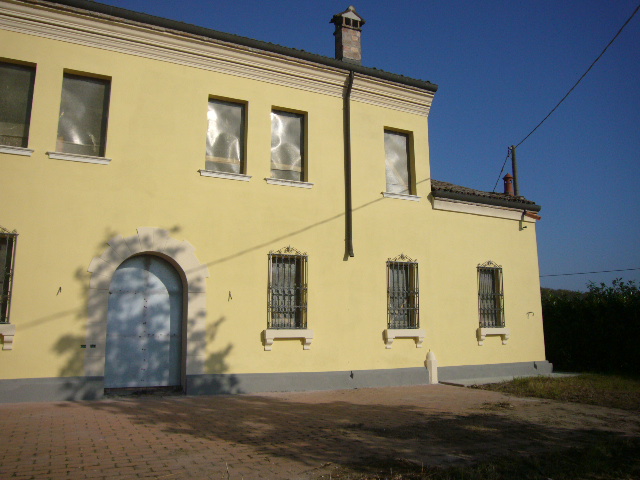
(595, 331)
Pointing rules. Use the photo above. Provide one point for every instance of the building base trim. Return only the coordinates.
(92, 388)
(494, 370)
(51, 389)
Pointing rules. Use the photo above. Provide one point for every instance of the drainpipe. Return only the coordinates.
(347, 168)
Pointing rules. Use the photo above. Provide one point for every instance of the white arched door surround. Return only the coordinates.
(181, 255)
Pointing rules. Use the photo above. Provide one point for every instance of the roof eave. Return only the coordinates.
(498, 202)
(144, 18)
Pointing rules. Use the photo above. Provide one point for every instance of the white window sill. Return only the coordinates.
(228, 175)
(482, 333)
(72, 157)
(27, 152)
(288, 183)
(418, 334)
(7, 331)
(402, 196)
(270, 335)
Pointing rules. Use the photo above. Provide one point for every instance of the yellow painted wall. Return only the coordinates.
(65, 212)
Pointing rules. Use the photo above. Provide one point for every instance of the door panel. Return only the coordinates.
(144, 341)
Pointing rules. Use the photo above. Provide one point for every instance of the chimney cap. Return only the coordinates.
(349, 13)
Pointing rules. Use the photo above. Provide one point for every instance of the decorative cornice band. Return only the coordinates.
(480, 209)
(207, 54)
(72, 157)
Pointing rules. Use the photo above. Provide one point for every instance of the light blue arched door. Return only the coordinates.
(144, 325)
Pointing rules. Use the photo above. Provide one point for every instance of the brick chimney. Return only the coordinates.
(348, 35)
(508, 184)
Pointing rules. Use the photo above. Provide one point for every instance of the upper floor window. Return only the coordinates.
(7, 260)
(287, 304)
(398, 165)
(287, 146)
(16, 95)
(84, 109)
(225, 137)
(402, 293)
(490, 295)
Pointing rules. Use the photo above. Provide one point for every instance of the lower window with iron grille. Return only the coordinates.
(490, 295)
(402, 293)
(287, 304)
(7, 261)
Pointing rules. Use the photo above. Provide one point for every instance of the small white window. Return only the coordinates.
(287, 146)
(225, 137)
(398, 168)
(490, 295)
(287, 307)
(84, 109)
(402, 293)
(7, 260)
(16, 95)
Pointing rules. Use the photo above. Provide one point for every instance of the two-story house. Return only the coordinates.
(191, 210)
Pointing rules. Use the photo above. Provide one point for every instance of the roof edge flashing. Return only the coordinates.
(498, 202)
(155, 21)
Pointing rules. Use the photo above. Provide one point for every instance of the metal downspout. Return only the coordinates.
(347, 169)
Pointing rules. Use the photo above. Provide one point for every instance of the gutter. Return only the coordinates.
(181, 27)
(347, 169)
(498, 202)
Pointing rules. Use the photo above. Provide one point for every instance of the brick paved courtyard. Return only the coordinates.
(284, 435)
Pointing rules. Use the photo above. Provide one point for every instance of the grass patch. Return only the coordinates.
(606, 458)
(605, 390)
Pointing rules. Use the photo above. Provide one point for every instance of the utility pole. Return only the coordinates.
(514, 168)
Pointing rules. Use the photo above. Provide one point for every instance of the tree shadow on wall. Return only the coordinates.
(85, 353)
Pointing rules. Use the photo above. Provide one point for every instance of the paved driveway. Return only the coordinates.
(285, 435)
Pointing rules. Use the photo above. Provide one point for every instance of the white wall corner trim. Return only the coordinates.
(155, 241)
(7, 331)
(27, 152)
(288, 183)
(401, 196)
(482, 334)
(228, 175)
(449, 205)
(270, 335)
(72, 157)
(390, 334)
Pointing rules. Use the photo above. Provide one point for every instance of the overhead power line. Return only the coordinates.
(583, 75)
(587, 273)
(502, 169)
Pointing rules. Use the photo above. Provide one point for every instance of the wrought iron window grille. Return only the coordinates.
(402, 293)
(8, 242)
(490, 295)
(287, 298)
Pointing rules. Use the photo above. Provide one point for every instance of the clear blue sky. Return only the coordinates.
(500, 66)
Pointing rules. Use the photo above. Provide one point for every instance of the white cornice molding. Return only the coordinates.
(26, 152)
(479, 209)
(109, 33)
(73, 157)
(228, 175)
(401, 196)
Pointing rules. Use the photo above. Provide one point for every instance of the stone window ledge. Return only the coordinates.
(79, 158)
(288, 183)
(482, 333)
(270, 335)
(7, 331)
(228, 175)
(418, 334)
(401, 196)
(27, 152)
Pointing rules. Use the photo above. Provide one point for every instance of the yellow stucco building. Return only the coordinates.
(191, 210)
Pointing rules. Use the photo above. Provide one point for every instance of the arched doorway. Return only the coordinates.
(144, 325)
